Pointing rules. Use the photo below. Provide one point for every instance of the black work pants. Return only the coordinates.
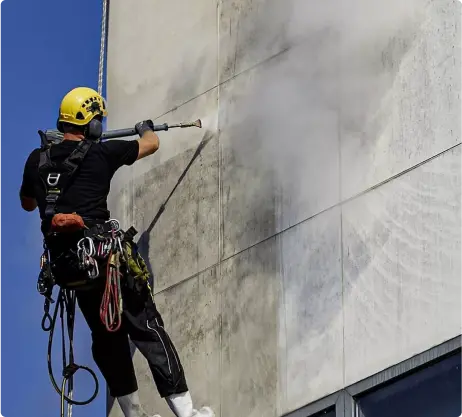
(144, 325)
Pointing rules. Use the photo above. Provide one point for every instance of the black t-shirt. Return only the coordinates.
(90, 186)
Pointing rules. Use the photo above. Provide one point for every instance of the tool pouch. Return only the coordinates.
(67, 271)
(67, 223)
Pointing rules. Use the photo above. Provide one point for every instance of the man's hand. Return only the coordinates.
(149, 141)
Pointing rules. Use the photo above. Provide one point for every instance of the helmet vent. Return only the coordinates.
(79, 116)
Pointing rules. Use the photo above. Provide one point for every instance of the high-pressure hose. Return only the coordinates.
(50, 136)
(111, 134)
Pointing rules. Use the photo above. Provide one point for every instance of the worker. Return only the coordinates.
(84, 202)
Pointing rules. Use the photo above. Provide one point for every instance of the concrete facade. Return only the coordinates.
(316, 237)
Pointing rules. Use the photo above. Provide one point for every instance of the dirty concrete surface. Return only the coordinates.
(315, 238)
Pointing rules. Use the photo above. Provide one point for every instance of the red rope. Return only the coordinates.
(111, 304)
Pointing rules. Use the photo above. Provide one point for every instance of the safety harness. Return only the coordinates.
(104, 242)
(57, 178)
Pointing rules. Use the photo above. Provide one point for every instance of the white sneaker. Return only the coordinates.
(203, 412)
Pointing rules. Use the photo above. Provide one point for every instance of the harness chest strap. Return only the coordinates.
(57, 181)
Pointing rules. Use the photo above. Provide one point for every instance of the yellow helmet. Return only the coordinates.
(81, 105)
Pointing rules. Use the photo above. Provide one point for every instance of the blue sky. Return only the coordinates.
(48, 48)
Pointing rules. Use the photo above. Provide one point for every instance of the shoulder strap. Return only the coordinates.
(73, 161)
(58, 178)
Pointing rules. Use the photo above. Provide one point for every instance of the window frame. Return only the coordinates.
(344, 400)
(322, 404)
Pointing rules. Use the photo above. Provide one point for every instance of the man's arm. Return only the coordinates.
(27, 203)
(26, 192)
(149, 141)
(127, 152)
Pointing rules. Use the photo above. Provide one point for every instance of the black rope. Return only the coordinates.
(47, 317)
(65, 302)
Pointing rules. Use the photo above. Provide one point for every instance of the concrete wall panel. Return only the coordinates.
(183, 239)
(402, 267)
(160, 54)
(197, 338)
(311, 312)
(172, 143)
(305, 104)
(177, 141)
(279, 164)
(244, 42)
(250, 301)
(400, 95)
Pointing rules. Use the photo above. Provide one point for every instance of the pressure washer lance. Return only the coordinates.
(55, 136)
(111, 134)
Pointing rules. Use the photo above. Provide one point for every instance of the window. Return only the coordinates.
(434, 391)
(425, 385)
